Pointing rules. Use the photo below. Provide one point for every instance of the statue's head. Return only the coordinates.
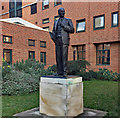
(61, 12)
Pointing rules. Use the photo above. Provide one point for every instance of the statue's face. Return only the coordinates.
(61, 13)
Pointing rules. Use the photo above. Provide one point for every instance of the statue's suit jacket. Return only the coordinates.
(68, 28)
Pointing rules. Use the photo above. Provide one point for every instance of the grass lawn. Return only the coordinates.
(101, 95)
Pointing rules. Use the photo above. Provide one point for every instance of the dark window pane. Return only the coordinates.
(74, 52)
(2, 7)
(100, 60)
(31, 55)
(103, 53)
(34, 8)
(80, 57)
(7, 55)
(44, 21)
(80, 52)
(7, 39)
(84, 55)
(11, 5)
(19, 3)
(97, 60)
(43, 57)
(12, 14)
(15, 8)
(19, 13)
(43, 44)
(58, 2)
(79, 48)
(46, 28)
(31, 42)
(99, 47)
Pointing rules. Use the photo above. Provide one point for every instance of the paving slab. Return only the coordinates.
(34, 113)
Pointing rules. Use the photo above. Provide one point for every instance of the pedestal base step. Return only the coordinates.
(36, 114)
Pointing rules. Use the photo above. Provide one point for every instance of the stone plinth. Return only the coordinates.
(60, 96)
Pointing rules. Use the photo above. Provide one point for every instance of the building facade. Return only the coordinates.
(96, 38)
(24, 42)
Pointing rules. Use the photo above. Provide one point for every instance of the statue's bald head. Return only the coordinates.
(61, 12)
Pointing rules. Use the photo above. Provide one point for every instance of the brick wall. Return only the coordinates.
(19, 46)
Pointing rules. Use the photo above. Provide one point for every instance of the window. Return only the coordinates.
(79, 52)
(56, 18)
(15, 8)
(7, 39)
(115, 19)
(7, 55)
(45, 4)
(103, 54)
(2, 7)
(57, 2)
(43, 44)
(34, 8)
(74, 55)
(43, 57)
(46, 28)
(80, 25)
(31, 42)
(31, 55)
(44, 21)
(99, 22)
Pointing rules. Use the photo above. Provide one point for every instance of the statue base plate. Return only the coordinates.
(61, 96)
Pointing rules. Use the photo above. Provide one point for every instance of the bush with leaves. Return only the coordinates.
(108, 74)
(54, 68)
(23, 77)
(18, 82)
(79, 68)
(102, 74)
(74, 67)
(32, 67)
(6, 69)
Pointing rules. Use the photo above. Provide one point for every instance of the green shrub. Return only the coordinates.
(109, 74)
(18, 82)
(54, 68)
(49, 71)
(85, 76)
(28, 65)
(23, 77)
(6, 69)
(33, 67)
(74, 67)
(102, 74)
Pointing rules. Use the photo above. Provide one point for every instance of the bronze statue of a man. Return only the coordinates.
(60, 35)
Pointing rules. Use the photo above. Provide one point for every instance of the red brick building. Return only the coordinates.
(96, 38)
(22, 42)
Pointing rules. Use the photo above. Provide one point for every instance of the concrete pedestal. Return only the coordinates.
(60, 96)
